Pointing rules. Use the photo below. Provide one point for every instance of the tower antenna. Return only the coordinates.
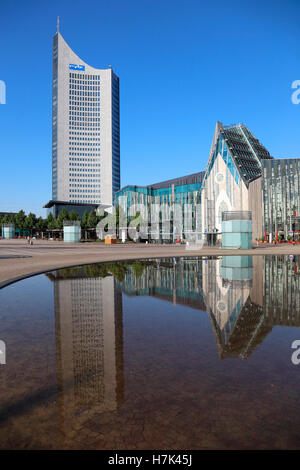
(58, 24)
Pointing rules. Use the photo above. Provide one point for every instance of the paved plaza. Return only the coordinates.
(18, 260)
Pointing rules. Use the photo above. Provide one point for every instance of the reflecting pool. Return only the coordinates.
(175, 353)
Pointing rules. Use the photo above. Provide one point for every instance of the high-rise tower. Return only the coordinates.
(85, 129)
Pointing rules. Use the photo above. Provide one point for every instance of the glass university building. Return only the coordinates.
(85, 129)
(241, 175)
(281, 203)
(178, 194)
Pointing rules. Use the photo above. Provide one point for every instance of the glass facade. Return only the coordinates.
(237, 230)
(167, 195)
(116, 182)
(55, 207)
(8, 231)
(241, 175)
(235, 162)
(54, 118)
(85, 129)
(84, 137)
(222, 149)
(281, 201)
(241, 152)
(72, 231)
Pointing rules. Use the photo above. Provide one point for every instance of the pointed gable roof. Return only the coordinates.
(245, 150)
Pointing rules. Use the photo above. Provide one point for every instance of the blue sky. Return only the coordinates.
(182, 67)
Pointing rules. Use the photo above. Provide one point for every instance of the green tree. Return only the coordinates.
(5, 219)
(73, 215)
(20, 219)
(8, 219)
(50, 222)
(30, 222)
(138, 268)
(63, 215)
(41, 224)
(84, 221)
(92, 219)
(96, 270)
(118, 270)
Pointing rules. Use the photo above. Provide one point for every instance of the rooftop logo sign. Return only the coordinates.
(76, 67)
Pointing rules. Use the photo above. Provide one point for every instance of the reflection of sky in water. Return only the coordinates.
(193, 354)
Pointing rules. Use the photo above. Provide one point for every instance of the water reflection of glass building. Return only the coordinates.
(247, 296)
(282, 290)
(89, 344)
(230, 289)
(244, 296)
(178, 280)
(234, 300)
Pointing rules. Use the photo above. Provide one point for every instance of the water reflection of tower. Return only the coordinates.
(89, 340)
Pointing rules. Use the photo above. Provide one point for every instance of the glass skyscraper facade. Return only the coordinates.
(85, 129)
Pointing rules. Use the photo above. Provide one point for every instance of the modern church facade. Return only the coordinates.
(241, 175)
